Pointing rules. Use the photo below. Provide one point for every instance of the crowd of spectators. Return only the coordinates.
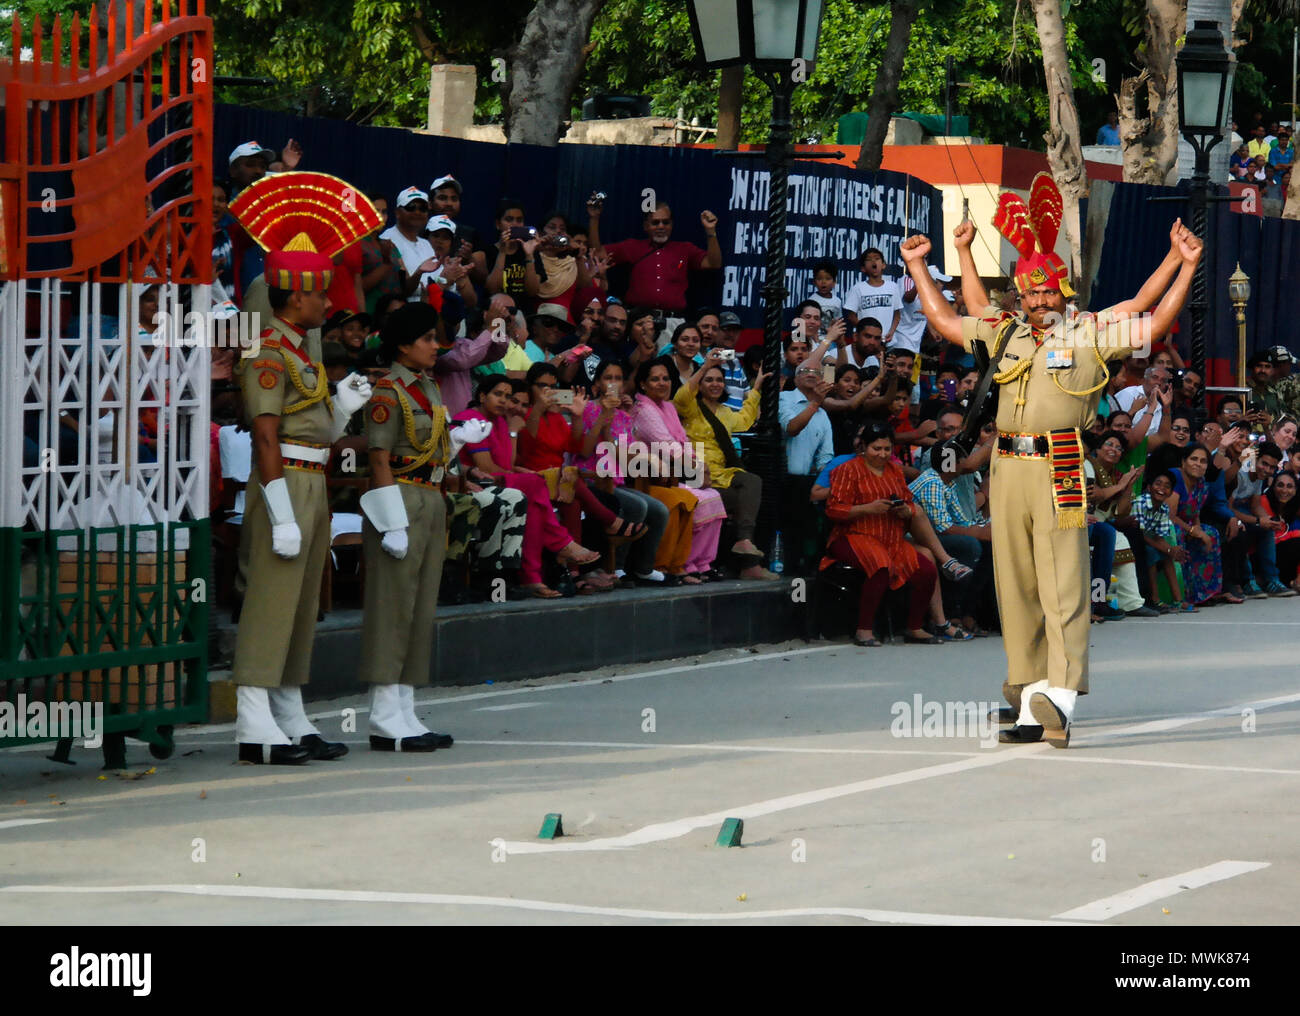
(622, 424)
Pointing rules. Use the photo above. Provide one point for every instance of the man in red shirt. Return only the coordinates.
(660, 265)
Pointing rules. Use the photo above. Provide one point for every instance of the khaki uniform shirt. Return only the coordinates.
(385, 420)
(277, 379)
(1067, 359)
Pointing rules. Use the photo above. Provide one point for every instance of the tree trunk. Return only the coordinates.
(543, 67)
(1064, 154)
(730, 98)
(884, 95)
(1150, 141)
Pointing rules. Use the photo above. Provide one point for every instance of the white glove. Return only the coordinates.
(352, 393)
(286, 540)
(468, 433)
(395, 543)
(286, 537)
(386, 511)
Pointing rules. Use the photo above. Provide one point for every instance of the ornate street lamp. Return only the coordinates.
(1205, 69)
(1239, 294)
(778, 39)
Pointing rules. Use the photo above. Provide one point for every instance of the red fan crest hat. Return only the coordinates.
(1032, 229)
(302, 220)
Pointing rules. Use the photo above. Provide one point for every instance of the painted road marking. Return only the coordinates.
(509, 707)
(509, 903)
(15, 822)
(660, 831)
(1160, 889)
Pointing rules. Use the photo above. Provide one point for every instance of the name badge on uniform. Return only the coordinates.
(1060, 359)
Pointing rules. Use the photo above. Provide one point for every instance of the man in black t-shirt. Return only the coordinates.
(444, 197)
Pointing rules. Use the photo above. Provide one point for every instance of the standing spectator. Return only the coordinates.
(657, 424)
(911, 320)
(870, 507)
(875, 295)
(564, 270)
(1108, 133)
(867, 346)
(407, 244)
(710, 424)
(513, 265)
(445, 193)
(1262, 399)
(824, 294)
(379, 270)
(660, 265)
(1282, 150)
(1259, 145)
(1250, 528)
(809, 445)
(453, 366)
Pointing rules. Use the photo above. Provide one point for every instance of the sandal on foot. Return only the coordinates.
(870, 643)
(691, 579)
(576, 554)
(626, 529)
(541, 591)
(917, 640)
(953, 632)
(955, 570)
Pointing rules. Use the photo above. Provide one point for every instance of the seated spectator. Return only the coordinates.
(697, 510)
(1151, 509)
(682, 354)
(965, 537)
(1230, 412)
(1247, 529)
(607, 340)
(643, 335)
(456, 362)
(723, 337)
(406, 244)
(809, 445)
(552, 431)
(844, 405)
(751, 362)
(493, 462)
(1278, 507)
(1114, 486)
(710, 424)
(796, 351)
(1239, 164)
(607, 416)
(514, 266)
(515, 362)
(870, 507)
(1204, 568)
(1170, 454)
(551, 332)
(453, 272)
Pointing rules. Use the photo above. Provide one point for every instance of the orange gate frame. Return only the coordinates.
(119, 233)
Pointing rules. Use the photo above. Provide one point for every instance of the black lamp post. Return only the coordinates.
(1204, 85)
(778, 39)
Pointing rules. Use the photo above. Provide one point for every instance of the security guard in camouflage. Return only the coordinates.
(1051, 364)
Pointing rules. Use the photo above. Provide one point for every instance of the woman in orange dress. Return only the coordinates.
(871, 507)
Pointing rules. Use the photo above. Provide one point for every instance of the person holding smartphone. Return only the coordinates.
(514, 266)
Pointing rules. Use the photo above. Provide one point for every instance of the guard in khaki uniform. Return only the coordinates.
(1051, 365)
(302, 223)
(405, 530)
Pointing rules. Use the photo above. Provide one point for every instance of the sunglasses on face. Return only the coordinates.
(416, 207)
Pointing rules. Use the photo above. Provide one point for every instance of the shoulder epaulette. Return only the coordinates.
(384, 399)
(384, 382)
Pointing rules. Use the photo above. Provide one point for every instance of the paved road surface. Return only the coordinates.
(844, 821)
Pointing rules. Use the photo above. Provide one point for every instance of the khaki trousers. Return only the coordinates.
(1041, 576)
(278, 621)
(401, 597)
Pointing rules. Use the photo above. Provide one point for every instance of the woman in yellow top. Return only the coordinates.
(709, 424)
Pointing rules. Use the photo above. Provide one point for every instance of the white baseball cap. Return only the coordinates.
(411, 194)
(252, 148)
(937, 275)
(443, 181)
(438, 222)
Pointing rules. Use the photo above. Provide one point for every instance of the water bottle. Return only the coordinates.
(777, 565)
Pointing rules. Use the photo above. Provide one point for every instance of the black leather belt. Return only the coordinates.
(1030, 445)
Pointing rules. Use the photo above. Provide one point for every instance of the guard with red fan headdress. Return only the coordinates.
(302, 220)
(1051, 364)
